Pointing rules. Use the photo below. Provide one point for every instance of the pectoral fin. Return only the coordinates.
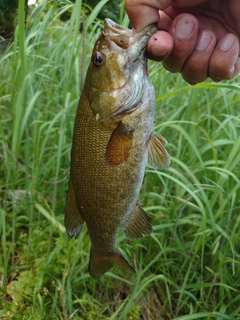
(158, 157)
(119, 145)
(138, 223)
(73, 220)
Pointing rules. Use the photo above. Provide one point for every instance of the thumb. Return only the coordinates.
(144, 12)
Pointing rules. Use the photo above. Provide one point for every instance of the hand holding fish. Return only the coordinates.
(198, 38)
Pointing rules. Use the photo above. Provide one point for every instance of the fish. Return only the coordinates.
(113, 140)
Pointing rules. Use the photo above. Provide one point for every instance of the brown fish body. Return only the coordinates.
(113, 134)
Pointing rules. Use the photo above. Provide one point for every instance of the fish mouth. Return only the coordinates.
(131, 49)
(124, 37)
(114, 27)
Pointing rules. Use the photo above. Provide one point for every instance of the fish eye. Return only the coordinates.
(98, 59)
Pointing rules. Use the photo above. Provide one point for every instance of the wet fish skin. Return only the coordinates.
(113, 136)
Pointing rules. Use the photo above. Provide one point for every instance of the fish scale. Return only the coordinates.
(112, 139)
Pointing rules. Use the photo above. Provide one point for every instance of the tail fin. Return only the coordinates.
(100, 263)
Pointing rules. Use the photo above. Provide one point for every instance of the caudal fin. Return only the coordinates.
(100, 263)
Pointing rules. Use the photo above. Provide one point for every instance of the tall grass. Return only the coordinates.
(189, 268)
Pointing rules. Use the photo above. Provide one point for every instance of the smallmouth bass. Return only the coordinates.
(113, 140)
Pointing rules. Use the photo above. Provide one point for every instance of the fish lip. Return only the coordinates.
(117, 29)
(114, 27)
(124, 38)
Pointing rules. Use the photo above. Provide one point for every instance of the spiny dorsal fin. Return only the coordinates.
(138, 223)
(72, 220)
(119, 145)
(158, 157)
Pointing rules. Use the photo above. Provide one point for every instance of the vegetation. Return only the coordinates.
(111, 9)
(189, 268)
(8, 17)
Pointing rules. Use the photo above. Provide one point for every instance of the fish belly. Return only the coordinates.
(105, 194)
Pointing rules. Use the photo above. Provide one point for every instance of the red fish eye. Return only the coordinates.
(98, 59)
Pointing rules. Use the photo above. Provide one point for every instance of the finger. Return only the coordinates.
(144, 12)
(188, 3)
(159, 46)
(184, 30)
(224, 63)
(164, 21)
(195, 68)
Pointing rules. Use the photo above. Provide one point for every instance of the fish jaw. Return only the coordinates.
(134, 43)
(125, 38)
(123, 73)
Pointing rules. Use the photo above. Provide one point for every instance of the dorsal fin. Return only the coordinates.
(158, 157)
(119, 145)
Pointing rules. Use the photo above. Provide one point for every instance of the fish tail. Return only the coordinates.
(100, 263)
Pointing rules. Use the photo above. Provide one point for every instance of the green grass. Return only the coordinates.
(189, 268)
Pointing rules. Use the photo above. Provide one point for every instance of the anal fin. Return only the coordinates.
(138, 223)
(72, 220)
(119, 145)
(158, 157)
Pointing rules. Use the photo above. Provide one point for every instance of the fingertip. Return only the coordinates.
(184, 25)
(160, 46)
(184, 32)
(224, 63)
(227, 42)
(237, 67)
(195, 68)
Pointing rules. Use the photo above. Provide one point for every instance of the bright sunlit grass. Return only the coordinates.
(189, 268)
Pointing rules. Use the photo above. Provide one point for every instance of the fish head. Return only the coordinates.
(115, 77)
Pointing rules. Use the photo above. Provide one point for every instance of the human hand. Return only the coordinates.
(199, 38)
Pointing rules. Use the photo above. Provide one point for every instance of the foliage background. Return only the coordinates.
(189, 267)
(8, 10)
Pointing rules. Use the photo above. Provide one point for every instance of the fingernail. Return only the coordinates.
(227, 42)
(134, 31)
(203, 41)
(183, 28)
